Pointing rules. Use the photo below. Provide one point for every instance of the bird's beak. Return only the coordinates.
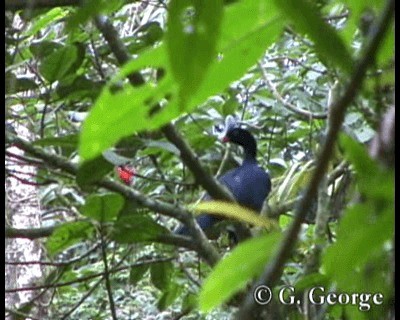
(225, 139)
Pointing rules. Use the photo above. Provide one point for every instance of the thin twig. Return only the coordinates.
(299, 111)
(206, 249)
(86, 278)
(81, 300)
(107, 273)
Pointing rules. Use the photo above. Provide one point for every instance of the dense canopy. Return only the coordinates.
(113, 112)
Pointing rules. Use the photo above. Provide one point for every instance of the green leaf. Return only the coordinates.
(312, 280)
(160, 274)
(92, 171)
(241, 45)
(128, 111)
(295, 180)
(67, 141)
(79, 89)
(191, 38)
(373, 180)
(119, 114)
(385, 54)
(236, 211)
(90, 8)
(169, 296)
(67, 235)
(231, 274)
(361, 234)
(44, 48)
(136, 273)
(14, 84)
(59, 63)
(230, 106)
(103, 207)
(189, 301)
(136, 228)
(50, 17)
(163, 145)
(115, 159)
(356, 9)
(327, 42)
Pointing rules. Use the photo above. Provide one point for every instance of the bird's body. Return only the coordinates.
(249, 183)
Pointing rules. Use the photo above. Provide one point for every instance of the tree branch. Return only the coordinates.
(274, 269)
(86, 278)
(307, 115)
(205, 249)
(187, 155)
(107, 274)
(189, 158)
(30, 234)
(117, 47)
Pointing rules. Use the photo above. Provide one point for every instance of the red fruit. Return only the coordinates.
(126, 174)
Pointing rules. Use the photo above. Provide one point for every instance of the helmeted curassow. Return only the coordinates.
(249, 183)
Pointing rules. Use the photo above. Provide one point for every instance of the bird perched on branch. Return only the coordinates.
(249, 183)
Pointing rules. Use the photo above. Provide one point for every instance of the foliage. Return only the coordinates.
(275, 65)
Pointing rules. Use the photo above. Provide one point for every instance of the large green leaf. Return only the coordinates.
(67, 235)
(120, 113)
(248, 29)
(191, 38)
(169, 295)
(93, 170)
(136, 228)
(137, 273)
(45, 20)
(61, 62)
(385, 54)
(44, 48)
(231, 274)
(160, 273)
(67, 141)
(366, 227)
(127, 111)
(327, 42)
(90, 8)
(361, 235)
(103, 207)
(79, 88)
(373, 181)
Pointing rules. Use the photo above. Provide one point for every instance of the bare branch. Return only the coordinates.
(30, 234)
(301, 112)
(205, 249)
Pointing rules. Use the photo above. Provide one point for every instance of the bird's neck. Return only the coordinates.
(250, 151)
(249, 159)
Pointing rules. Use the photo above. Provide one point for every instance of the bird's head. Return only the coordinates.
(233, 133)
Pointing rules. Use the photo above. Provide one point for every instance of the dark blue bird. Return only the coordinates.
(250, 184)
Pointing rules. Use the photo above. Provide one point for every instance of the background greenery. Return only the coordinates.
(157, 78)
